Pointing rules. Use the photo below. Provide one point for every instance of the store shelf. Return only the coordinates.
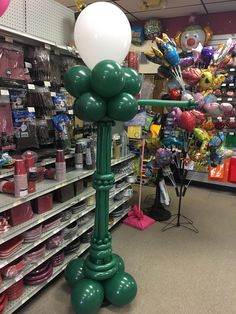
(203, 178)
(48, 161)
(57, 208)
(47, 186)
(29, 246)
(30, 291)
(45, 162)
(37, 218)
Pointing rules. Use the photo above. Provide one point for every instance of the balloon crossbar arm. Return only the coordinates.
(190, 104)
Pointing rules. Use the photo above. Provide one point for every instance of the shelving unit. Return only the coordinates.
(30, 291)
(45, 187)
(203, 178)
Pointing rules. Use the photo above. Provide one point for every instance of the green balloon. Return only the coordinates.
(90, 107)
(121, 289)
(77, 80)
(74, 271)
(133, 82)
(108, 78)
(87, 296)
(122, 107)
(120, 263)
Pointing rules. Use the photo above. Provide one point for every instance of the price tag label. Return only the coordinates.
(231, 133)
(47, 46)
(232, 69)
(219, 99)
(4, 92)
(71, 111)
(31, 86)
(31, 109)
(53, 94)
(47, 84)
(28, 65)
(229, 99)
(224, 84)
(231, 84)
(9, 39)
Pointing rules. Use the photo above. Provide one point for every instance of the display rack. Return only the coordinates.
(43, 188)
(30, 291)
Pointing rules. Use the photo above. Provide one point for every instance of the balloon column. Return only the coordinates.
(4, 4)
(103, 93)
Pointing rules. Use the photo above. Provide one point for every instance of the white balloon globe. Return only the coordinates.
(102, 31)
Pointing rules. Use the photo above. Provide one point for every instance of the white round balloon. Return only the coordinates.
(102, 31)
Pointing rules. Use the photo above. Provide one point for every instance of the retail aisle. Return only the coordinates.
(178, 271)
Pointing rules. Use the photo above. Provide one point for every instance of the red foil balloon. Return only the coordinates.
(199, 116)
(175, 94)
(187, 121)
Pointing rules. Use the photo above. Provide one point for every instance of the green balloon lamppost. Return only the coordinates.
(103, 95)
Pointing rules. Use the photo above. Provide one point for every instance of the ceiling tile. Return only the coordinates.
(136, 5)
(184, 11)
(221, 7)
(130, 17)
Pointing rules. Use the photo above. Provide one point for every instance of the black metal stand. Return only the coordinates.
(179, 220)
(157, 211)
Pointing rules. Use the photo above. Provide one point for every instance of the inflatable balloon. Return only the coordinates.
(213, 109)
(186, 95)
(175, 94)
(227, 109)
(206, 81)
(207, 55)
(200, 99)
(187, 121)
(203, 136)
(163, 157)
(4, 4)
(192, 36)
(99, 40)
(192, 76)
(199, 116)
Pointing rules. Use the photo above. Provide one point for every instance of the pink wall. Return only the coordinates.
(220, 23)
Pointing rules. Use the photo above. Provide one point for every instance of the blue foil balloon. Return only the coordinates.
(210, 99)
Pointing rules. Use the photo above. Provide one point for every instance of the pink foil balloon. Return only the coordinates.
(227, 109)
(4, 4)
(199, 116)
(200, 99)
(213, 109)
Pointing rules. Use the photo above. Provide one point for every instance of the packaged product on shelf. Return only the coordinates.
(31, 171)
(13, 269)
(36, 254)
(43, 204)
(58, 259)
(45, 132)
(6, 125)
(61, 123)
(40, 98)
(64, 194)
(10, 247)
(33, 234)
(60, 166)
(59, 102)
(40, 59)
(25, 129)
(18, 98)
(15, 291)
(55, 73)
(7, 186)
(3, 301)
(67, 63)
(20, 214)
(41, 274)
(4, 225)
(79, 162)
(20, 178)
(12, 61)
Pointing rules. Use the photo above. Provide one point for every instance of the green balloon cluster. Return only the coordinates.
(105, 92)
